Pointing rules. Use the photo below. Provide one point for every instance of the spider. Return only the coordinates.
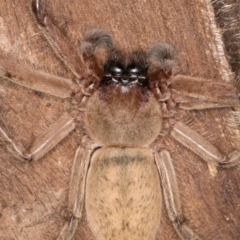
(127, 103)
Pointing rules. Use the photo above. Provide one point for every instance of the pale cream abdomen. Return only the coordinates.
(123, 199)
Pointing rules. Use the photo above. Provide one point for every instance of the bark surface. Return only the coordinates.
(33, 196)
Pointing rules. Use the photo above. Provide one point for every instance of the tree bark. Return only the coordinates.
(33, 196)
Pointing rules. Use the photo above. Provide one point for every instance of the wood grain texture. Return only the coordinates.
(33, 197)
(228, 19)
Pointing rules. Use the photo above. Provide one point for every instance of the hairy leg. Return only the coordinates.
(171, 195)
(44, 143)
(93, 51)
(57, 41)
(202, 147)
(76, 191)
(33, 79)
(192, 93)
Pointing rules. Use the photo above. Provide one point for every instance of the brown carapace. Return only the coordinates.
(127, 104)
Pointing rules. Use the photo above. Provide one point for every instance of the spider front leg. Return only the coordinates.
(191, 93)
(77, 190)
(93, 50)
(57, 41)
(171, 195)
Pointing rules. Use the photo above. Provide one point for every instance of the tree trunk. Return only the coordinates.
(33, 197)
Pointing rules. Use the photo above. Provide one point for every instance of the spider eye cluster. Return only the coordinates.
(121, 70)
(139, 68)
(116, 70)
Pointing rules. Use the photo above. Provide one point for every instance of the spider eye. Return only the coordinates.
(114, 71)
(135, 71)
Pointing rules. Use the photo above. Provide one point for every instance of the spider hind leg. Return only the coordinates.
(172, 196)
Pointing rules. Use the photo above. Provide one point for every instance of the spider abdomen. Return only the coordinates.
(123, 199)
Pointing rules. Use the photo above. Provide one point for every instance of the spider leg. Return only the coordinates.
(37, 80)
(195, 93)
(44, 143)
(88, 63)
(202, 147)
(171, 195)
(76, 191)
(58, 42)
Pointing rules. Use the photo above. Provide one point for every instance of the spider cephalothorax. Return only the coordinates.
(130, 87)
(124, 98)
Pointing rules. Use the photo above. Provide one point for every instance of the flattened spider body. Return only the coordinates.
(127, 103)
(123, 183)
